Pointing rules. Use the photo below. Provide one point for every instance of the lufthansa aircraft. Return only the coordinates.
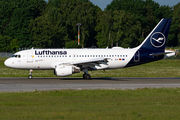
(65, 62)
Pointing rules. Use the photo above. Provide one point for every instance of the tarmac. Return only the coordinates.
(15, 84)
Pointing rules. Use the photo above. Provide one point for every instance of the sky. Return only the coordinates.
(103, 3)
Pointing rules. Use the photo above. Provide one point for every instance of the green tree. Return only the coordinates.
(48, 30)
(15, 18)
(127, 29)
(5, 43)
(104, 28)
(73, 12)
(14, 45)
(175, 29)
(85, 13)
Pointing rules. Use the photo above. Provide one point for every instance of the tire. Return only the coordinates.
(30, 77)
(88, 76)
(84, 76)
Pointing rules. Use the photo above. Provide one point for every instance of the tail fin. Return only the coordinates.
(157, 39)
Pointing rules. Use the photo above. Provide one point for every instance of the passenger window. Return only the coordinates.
(19, 56)
(112, 55)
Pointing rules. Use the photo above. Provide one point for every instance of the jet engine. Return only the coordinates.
(64, 70)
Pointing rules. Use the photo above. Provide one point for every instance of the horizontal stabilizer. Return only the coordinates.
(167, 53)
(160, 54)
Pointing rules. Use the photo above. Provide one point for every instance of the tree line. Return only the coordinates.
(52, 24)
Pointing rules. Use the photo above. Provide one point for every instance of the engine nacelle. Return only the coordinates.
(64, 70)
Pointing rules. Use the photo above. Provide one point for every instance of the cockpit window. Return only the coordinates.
(13, 56)
(16, 56)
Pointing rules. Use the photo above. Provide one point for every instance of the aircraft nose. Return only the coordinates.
(7, 63)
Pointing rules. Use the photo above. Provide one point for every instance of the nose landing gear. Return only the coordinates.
(30, 74)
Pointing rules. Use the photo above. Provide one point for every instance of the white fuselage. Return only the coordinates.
(48, 58)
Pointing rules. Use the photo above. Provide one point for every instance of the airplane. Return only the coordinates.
(66, 62)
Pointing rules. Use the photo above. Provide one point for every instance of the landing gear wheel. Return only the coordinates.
(88, 76)
(30, 77)
(30, 74)
(84, 76)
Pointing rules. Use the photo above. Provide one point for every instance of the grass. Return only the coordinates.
(141, 104)
(163, 68)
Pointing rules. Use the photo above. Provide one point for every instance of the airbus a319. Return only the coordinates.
(66, 62)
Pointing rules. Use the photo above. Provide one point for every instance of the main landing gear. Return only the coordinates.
(30, 74)
(86, 75)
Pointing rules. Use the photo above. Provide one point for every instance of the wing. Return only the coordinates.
(90, 64)
(89, 61)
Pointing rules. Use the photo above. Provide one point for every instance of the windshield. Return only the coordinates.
(17, 56)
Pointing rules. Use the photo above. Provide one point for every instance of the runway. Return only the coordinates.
(42, 84)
